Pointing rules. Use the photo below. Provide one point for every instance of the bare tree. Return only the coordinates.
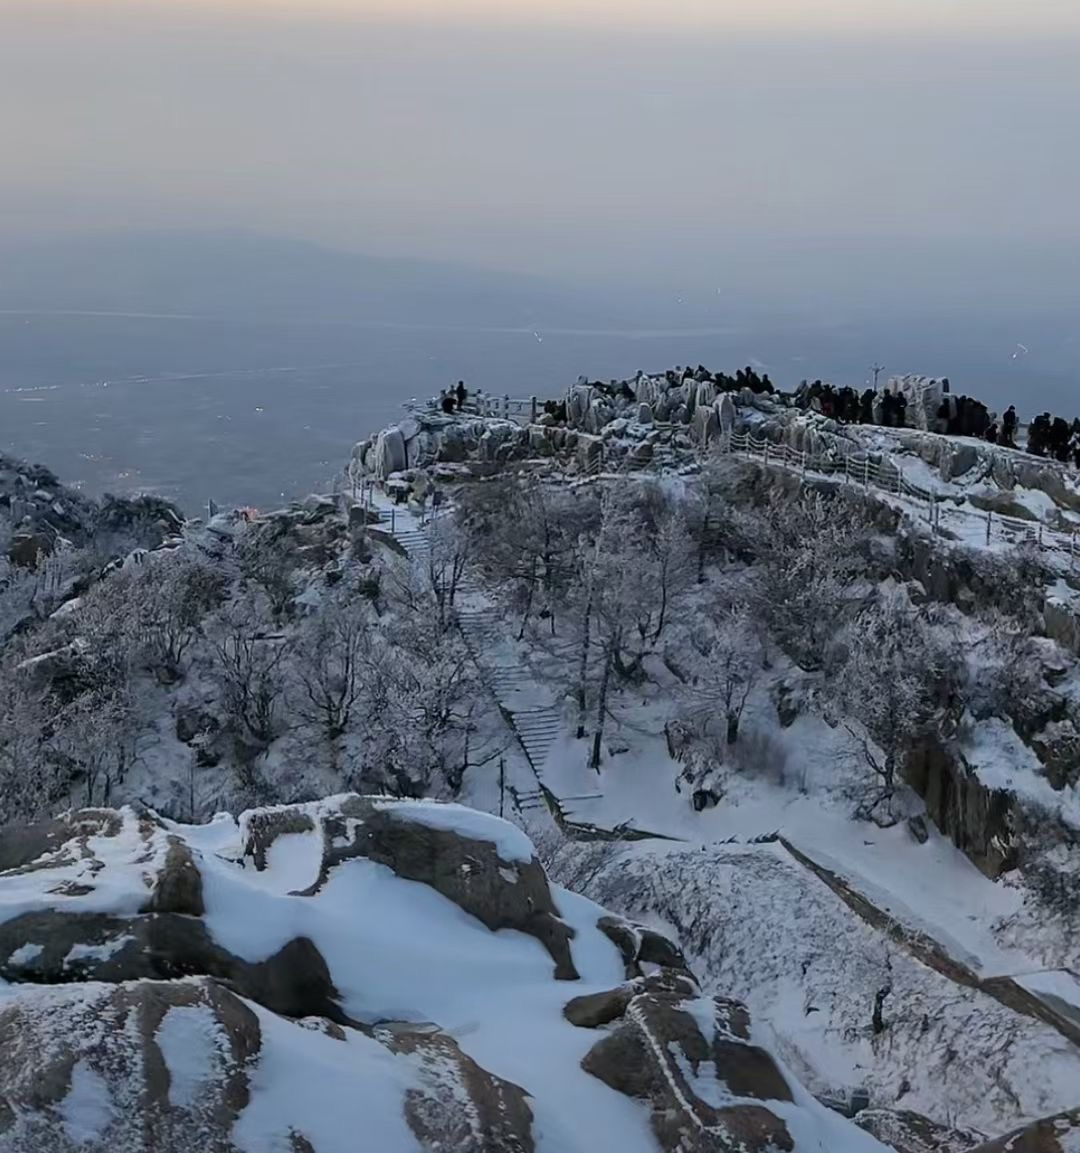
(268, 559)
(170, 598)
(249, 667)
(445, 564)
(29, 783)
(330, 660)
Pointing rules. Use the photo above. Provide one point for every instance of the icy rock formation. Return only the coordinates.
(923, 395)
(284, 981)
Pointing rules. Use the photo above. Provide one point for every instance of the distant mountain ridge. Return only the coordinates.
(238, 275)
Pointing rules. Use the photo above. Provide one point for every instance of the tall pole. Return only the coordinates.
(877, 370)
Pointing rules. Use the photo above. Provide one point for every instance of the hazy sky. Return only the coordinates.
(554, 135)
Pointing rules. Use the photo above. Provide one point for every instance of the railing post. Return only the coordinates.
(989, 517)
(506, 406)
(1040, 535)
(393, 520)
(532, 405)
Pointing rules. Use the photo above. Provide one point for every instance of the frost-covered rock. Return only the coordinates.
(1057, 1134)
(709, 1088)
(909, 1132)
(390, 453)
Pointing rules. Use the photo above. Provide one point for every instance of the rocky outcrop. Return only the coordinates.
(909, 1132)
(459, 1105)
(277, 982)
(691, 1060)
(1058, 1134)
(500, 894)
(640, 946)
(88, 1069)
(981, 821)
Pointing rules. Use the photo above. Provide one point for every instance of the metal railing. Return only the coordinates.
(882, 474)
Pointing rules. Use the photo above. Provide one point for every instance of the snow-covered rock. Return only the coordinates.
(359, 966)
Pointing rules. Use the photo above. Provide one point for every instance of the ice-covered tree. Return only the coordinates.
(891, 689)
(723, 659)
(810, 554)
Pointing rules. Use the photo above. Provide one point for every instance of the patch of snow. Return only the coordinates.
(1061, 985)
(83, 952)
(190, 1040)
(510, 842)
(1002, 761)
(87, 1110)
(26, 954)
(334, 1092)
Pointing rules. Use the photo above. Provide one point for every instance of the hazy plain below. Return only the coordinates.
(251, 412)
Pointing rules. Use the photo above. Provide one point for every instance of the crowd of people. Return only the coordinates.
(1054, 437)
(453, 399)
(1048, 436)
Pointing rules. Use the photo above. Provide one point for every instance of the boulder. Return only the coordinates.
(1057, 746)
(500, 894)
(194, 723)
(642, 453)
(1062, 624)
(27, 549)
(644, 413)
(705, 1083)
(390, 455)
(171, 1067)
(705, 425)
(1057, 1134)
(909, 1132)
(98, 1069)
(590, 452)
(459, 1105)
(726, 412)
(639, 946)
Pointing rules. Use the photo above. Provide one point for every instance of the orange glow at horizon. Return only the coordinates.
(866, 16)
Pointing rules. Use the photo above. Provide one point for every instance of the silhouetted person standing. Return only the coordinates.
(461, 392)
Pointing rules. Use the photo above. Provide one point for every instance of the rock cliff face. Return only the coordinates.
(41, 511)
(983, 822)
(399, 973)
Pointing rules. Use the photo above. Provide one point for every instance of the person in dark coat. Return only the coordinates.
(461, 392)
(446, 402)
(866, 407)
(1008, 425)
(992, 434)
(888, 402)
(901, 411)
(1039, 434)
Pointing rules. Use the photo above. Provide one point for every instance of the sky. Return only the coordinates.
(574, 138)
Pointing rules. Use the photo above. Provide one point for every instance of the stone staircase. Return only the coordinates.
(534, 727)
